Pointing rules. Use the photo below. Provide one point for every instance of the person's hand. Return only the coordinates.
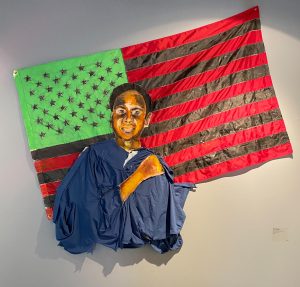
(149, 167)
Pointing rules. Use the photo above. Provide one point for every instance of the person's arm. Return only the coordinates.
(149, 167)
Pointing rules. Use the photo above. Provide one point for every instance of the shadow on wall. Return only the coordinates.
(47, 249)
(246, 169)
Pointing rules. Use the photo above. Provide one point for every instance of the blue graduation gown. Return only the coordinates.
(88, 208)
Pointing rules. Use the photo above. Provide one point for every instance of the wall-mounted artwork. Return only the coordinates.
(213, 111)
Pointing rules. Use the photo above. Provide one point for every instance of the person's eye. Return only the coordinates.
(137, 113)
(120, 111)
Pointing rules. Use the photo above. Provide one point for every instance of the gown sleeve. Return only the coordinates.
(154, 212)
(76, 202)
(175, 215)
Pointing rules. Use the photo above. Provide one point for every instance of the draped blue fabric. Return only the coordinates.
(88, 208)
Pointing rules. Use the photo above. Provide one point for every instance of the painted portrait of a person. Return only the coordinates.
(119, 193)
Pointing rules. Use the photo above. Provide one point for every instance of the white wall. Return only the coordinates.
(228, 231)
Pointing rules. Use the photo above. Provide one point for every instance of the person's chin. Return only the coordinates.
(126, 136)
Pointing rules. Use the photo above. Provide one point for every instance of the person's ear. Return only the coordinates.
(147, 120)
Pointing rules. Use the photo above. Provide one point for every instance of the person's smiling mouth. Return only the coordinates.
(127, 129)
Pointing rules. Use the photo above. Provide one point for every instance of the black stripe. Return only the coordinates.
(50, 176)
(68, 148)
(49, 200)
(231, 153)
(219, 131)
(190, 48)
(203, 66)
(210, 110)
(219, 84)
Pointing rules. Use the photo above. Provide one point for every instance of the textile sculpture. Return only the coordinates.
(215, 109)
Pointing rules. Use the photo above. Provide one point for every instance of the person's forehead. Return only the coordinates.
(132, 97)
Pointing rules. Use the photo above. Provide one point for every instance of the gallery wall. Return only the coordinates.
(241, 230)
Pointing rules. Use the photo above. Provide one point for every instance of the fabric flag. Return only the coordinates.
(215, 109)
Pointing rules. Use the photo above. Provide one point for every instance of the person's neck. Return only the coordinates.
(129, 145)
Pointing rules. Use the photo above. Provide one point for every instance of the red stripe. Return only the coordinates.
(225, 142)
(181, 63)
(235, 164)
(217, 96)
(53, 163)
(49, 212)
(209, 76)
(189, 36)
(49, 188)
(209, 122)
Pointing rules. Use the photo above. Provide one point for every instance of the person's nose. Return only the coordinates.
(128, 117)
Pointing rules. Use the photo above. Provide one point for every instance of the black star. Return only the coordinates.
(59, 130)
(66, 85)
(49, 126)
(91, 73)
(45, 112)
(42, 97)
(77, 91)
(39, 121)
(31, 92)
(34, 106)
(116, 60)
(119, 74)
(95, 87)
(42, 134)
(112, 83)
(27, 78)
(73, 114)
(56, 80)
(52, 103)
(88, 96)
(63, 108)
(70, 99)
(81, 68)
(80, 105)
(105, 92)
(94, 124)
(98, 102)
(38, 84)
(98, 64)
(102, 79)
(84, 82)
(77, 128)
(56, 117)
(59, 94)
(66, 123)
(101, 115)
(46, 75)
(108, 69)
(84, 118)
(63, 71)
(49, 89)
(91, 110)
(74, 77)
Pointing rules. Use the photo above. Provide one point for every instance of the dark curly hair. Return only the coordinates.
(127, 87)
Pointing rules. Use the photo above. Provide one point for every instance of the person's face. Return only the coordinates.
(129, 115)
